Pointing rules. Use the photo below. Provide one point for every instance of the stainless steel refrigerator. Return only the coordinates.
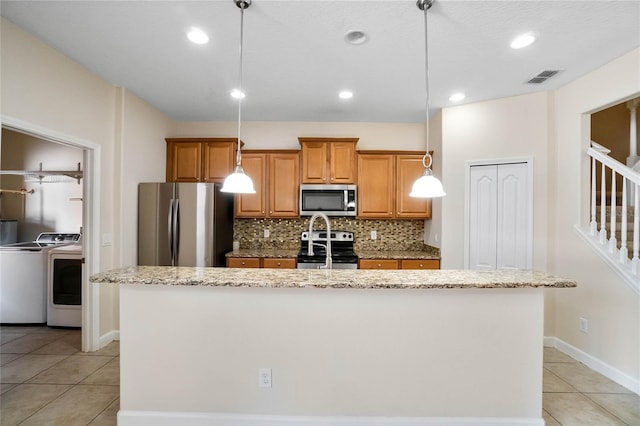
(184, 224)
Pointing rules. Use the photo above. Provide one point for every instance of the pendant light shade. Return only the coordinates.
(238, 182)
(427, 185)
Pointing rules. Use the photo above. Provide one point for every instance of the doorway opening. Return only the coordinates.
(89, 219)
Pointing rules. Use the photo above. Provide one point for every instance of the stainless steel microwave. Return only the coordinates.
(332, 200)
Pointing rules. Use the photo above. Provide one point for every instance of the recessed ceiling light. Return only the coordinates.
(197, 36)
(523, 40)
(345, 94)
(457, 97)
(237, 94)
(355, 37)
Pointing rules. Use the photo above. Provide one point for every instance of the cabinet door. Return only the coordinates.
(184, 161)
(378, 264)
(279, 263)
(218, 160)
(243, 262)
(253, 205)
(342, 162)
(376, 185)
(284, 182)
(420, 264)
(314, 162)
(408, 169)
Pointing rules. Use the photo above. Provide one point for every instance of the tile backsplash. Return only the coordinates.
(285, 233)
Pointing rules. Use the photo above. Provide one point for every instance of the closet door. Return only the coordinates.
(499, 217)
(512, 233)
(483, 204)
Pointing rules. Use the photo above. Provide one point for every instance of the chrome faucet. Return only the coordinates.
(328, 262)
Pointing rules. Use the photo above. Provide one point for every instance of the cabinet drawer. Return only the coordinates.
(279, 263)
(243, 262)
(420, 264)
(378, 264)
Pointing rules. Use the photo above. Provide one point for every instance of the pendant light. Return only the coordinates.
(427, 185)
(238, 182)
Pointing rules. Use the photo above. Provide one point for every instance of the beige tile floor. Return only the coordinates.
(46, 380)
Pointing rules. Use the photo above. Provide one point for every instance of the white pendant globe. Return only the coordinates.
(427, 186)
(238, 183)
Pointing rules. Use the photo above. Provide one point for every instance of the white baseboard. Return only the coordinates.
(108, 337)
(601, 367)
(156, 418)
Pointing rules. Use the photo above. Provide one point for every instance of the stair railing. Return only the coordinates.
(630, 198)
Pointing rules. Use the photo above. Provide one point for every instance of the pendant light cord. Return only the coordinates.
(425, 5)
(242, 5)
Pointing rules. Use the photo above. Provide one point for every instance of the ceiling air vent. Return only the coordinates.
(543, 76)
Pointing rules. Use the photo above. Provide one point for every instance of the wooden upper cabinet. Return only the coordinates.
(184, 162)
(200, 159)
(219, 160)
(328, 160)
(408, 169)
(284, 182)
(253, 205)
(276, 179)
(314, 162)
(384, 182)
(376, 185)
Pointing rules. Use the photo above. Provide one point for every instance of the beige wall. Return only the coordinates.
(47, 91)
(612, 308)
(514, 127)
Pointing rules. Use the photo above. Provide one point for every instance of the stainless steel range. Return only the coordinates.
(342, 254)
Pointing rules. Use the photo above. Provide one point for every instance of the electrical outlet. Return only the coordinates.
(584, 325)
(264, 377)
(267, 233)
(374, 235)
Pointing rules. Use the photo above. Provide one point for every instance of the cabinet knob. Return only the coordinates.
(243, 263)
(270, 211)
(379, 265)
(421, 265)
(278, 263)
(331, 178)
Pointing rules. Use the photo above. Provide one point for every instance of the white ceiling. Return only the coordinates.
(296, 61)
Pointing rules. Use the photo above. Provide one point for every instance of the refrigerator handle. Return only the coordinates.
(176, 231)
(170, 230)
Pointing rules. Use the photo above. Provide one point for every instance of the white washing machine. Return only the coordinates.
(64, 286)
(23, 270)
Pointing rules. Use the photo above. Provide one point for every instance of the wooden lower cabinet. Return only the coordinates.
(419, 264)
(399, 264)
(378, 264)
(261, 262)
(243, 262)
(279, 263)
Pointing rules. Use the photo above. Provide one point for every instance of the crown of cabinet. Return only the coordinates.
(328, 160)
(200, 159)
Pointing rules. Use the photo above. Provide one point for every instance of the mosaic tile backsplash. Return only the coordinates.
(285, 233)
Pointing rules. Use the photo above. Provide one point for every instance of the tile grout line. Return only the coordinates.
(586, 395)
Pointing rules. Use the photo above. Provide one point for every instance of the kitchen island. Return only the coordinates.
(342, 347)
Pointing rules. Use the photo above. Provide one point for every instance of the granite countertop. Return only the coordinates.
(362, 254)
(356, 279)
(268, 253)
(397, 254)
